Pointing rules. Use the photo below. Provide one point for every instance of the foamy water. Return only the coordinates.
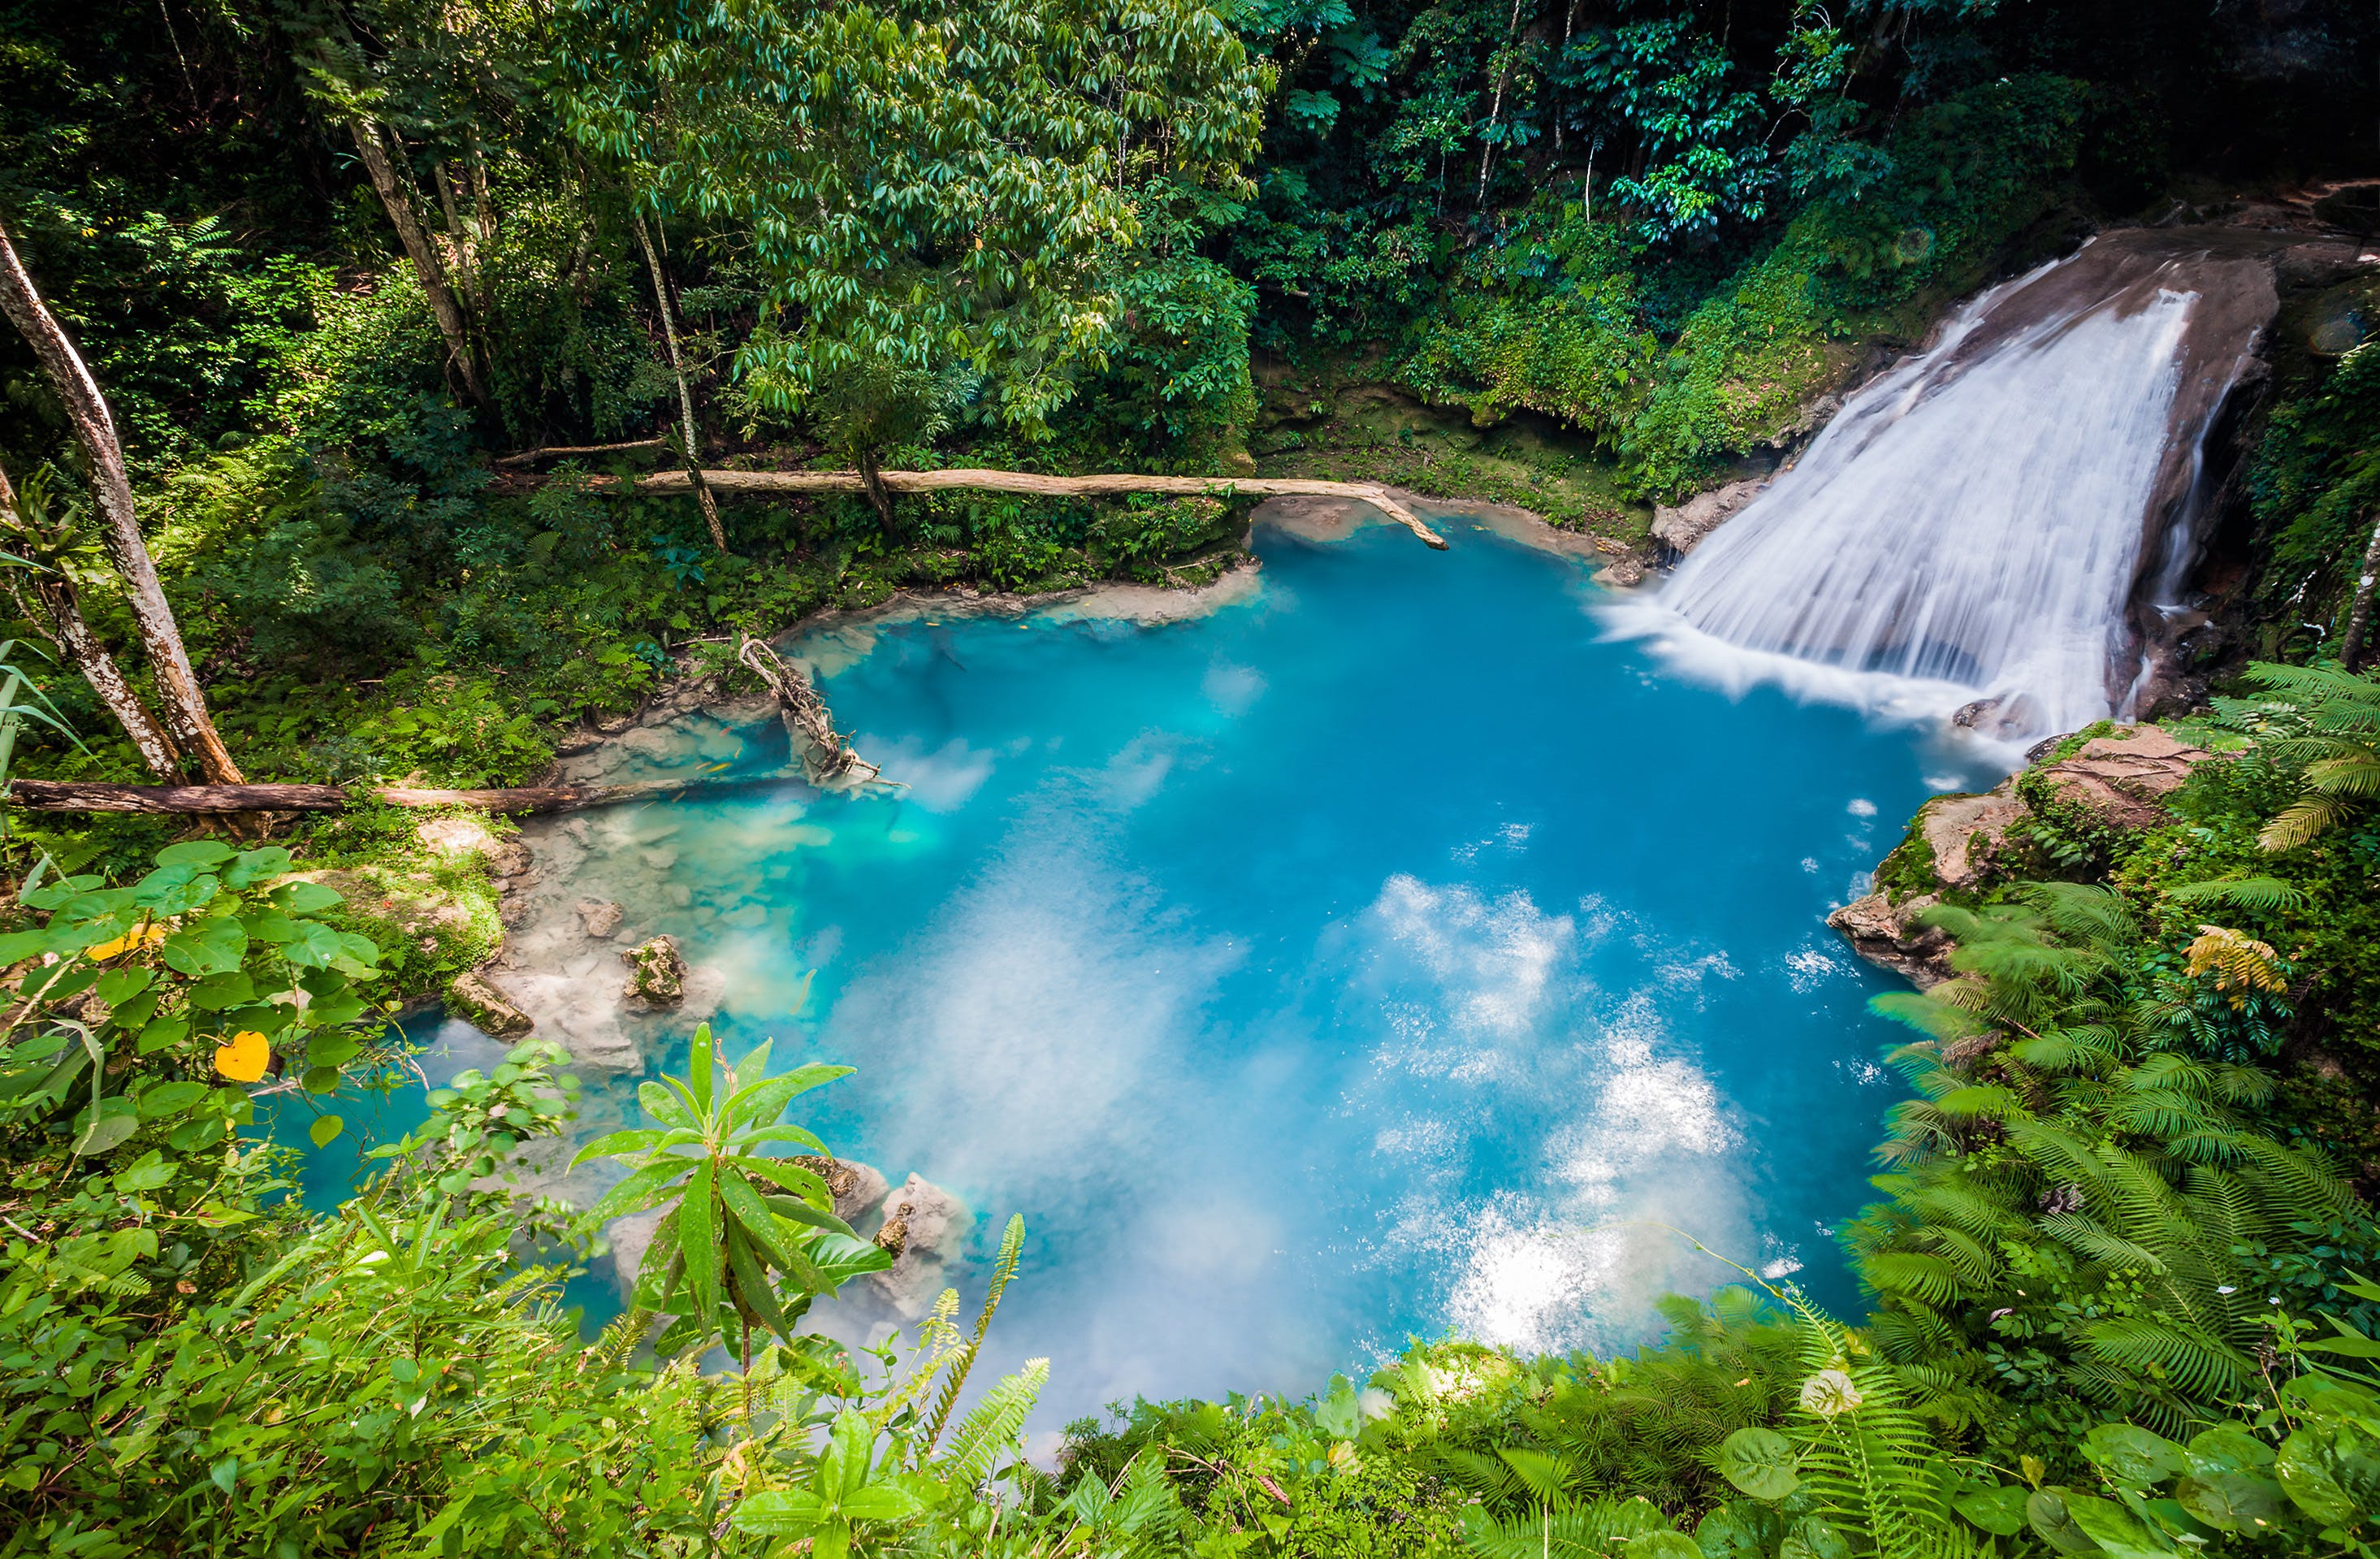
(1970, 527)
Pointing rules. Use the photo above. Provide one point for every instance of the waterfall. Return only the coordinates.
(1985, 527)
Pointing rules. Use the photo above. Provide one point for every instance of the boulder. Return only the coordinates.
(480, 1003)
(2122, 779)
(599, 917)
(1681, 529)
(925, 1227)
(1887, 934)
(657, 973)
(1964, 833)
(1620, 573)
(858, 1189)
(630, 1237)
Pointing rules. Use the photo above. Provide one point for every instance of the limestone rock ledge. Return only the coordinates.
(1681, 529)
(1961, 844)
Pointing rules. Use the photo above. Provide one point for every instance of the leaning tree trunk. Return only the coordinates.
(825, 755)
(426, 264)
(58, 611)
(684, 394)
(187, 718)
(2359, 616)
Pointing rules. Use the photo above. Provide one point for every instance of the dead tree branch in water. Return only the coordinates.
(826, 755)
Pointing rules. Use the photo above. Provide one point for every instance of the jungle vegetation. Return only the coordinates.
(330, 317)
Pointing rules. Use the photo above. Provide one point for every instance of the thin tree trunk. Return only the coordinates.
(2359, 616)
(684, 393)
(186, 713)
(461, 233)
(1503, 76)
(55, 606)
(426, 264)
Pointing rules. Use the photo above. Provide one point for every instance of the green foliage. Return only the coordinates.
(748, 1239)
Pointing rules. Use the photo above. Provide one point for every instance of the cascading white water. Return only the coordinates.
(1970, 527)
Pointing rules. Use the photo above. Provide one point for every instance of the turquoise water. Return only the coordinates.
(1383, 954)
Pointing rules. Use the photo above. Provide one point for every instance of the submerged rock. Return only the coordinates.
(657, 973)
(924, 1228)
(601, 917)
(478, 1000)
(858, 1189)
(1682, 528)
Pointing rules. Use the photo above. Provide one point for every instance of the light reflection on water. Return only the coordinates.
(1379, 955)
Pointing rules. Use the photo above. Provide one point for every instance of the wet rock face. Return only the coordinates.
(480, 1003)
(1682, 528)
(656, 973)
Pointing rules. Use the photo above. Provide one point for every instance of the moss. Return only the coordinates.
(421, 885)
(2068, 746)
(1908, 869)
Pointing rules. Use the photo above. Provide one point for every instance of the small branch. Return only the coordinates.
(826, 755)
(572, 451)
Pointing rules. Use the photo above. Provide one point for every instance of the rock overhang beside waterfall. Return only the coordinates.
(1960, 845)
(1682, 528)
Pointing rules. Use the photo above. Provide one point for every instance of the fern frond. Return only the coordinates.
(993, 1424)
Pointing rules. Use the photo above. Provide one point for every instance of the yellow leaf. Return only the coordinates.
(243, 1060)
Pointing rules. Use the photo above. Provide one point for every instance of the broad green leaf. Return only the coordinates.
(147, 1172)
(890, 1502)
(794, 1210)
(253, 866)
(104, 1135)
(2132, 1455)
(1661, 1545)
(2116, 1529)
(783, 1131)
(634, 1193)
(843, 1467)
(316, 945)
(698, 1233)
(2234, 1501)
(1813, 1537)
(1739, 1529)
(2050, 1513)
(745, 1208)
(305, 898)
(198, 853)
(2227, 1448)
(665, 1106)
(1760, 1462)
(765, 1100)
(617, 1144)
(171, 1099)
(326, 1131)
(1998, 1509)
(792, 1176)
(699, 1067)
(2305, 1471)
(779, 1514)
(750, 1282)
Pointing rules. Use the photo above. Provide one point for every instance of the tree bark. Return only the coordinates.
(569, 451)
(57, 609)
(684, 393)
(1381, 497)
(75, 796)
(186, 713)
(426, 264)
(2359, 616)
